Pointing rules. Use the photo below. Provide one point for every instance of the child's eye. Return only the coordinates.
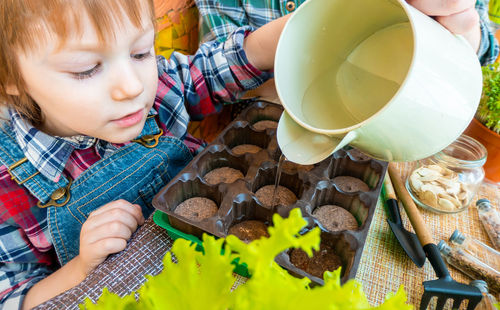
(141, 56)
(86, 74)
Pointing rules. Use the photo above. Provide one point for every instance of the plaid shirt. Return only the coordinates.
(218, 18)
(189, 87)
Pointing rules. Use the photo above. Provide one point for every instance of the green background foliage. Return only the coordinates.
(488, 112)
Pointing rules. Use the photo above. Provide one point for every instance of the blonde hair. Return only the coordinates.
(25, 24)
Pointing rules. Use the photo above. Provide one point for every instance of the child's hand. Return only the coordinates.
(458, 16)
(107, 231)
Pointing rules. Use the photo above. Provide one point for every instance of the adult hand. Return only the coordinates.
(107, 231)
(458, 16)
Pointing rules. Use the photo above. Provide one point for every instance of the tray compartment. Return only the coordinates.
(220, 157)
(344, 246)
(181, 191)
(326, 193)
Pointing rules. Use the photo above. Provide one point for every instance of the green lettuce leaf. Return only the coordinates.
(204, 280)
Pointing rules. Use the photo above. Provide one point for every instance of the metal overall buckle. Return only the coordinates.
(149, 141)
(58, 194)
(16, 164)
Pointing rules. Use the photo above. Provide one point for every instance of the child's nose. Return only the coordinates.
(127, 84)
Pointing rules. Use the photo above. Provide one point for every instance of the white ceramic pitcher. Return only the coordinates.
(376, 74)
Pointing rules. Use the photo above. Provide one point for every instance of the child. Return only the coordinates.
(94, 126)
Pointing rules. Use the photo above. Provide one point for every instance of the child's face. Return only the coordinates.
(95, 90)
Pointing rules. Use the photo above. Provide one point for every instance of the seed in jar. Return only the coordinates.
(223, 175)
(427, 174)
(415, 182)
(284, 196)
(428, 197)
(445, 204)
(245, 148)
(265, 124)
(463, 195)
(335, 218)
(452, 188)
(441, 170)
(197, 208)
(436, 190)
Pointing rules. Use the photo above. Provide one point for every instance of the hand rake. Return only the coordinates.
(444, 287)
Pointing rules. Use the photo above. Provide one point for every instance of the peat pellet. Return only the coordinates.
(196, 208)
(245, 148)
(335, 218)
(223, 175)
(265, 124)
(293, 167)
(284, 196)
(323, 260)
(350, 184)
(248, 231)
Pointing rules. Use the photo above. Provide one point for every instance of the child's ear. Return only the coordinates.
(12, 90)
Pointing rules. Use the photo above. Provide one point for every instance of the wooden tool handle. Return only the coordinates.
(389, 189)
(411, 209)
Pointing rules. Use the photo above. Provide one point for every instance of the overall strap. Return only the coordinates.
(25, 174)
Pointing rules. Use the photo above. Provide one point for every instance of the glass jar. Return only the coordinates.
(481, 251)
(490, 218)
(447, 181)
(469, 265)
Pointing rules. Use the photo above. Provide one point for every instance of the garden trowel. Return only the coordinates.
(408, 240)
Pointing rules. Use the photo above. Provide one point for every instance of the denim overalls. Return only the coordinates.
(134, 172)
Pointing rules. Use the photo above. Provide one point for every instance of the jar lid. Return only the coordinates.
(481, 285)
(483, 204)
(443, 247)
(457, 237)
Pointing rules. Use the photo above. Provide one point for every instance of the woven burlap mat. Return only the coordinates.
(383, 267)
(122, 273)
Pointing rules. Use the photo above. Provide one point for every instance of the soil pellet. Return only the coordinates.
(335, 218)
(284, 196)
(265, 124)
(197, 208)
(245, 148)
(223, 175)
(292, 167)
(350, 184)
(323, 260)
(248, 231)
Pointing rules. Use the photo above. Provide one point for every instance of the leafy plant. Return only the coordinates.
(488, 112)
(204, 280)
(494, 11)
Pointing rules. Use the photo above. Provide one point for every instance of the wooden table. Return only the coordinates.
(383, 268)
